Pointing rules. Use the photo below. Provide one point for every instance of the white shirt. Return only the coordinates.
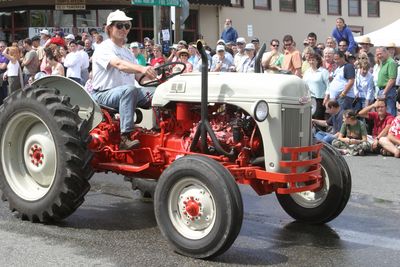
(84, 58)
(73, 62)
(104, 76)
(12, 69)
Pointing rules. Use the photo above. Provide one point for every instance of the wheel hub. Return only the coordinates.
(36, 155)
(192, 208)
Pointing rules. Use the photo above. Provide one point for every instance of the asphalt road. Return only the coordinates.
(114, 227)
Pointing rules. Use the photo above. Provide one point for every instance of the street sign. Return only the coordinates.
(157, 2)
(70, 4)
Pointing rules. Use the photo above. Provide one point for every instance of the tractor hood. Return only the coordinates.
(234, 87)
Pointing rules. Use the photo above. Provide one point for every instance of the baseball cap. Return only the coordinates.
(141, 46)
(221, 41)
(220, 48)
(241, 40)
(174, 46)
(255, 40)
(182, 42)
(45, 32)
(249, 46)
(35, 38)
(117, 15)
(134, 45)
(70, 36)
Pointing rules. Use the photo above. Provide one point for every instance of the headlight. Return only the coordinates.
(313, 105)
(261, 111)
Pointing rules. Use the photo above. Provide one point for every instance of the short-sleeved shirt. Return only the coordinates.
(356, 131)
(292, 61)
(104, 76)
(33, 66)
(395, 127)
(388, 71)
(341, 77)
(336, 121)
(3, 59)
(379, 125)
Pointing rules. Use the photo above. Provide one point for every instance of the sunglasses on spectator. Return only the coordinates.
(120, 25)
(275, 45)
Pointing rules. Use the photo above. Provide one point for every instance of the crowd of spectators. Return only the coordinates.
(354, 84)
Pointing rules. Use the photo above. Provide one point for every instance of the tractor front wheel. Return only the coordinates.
(198, 207)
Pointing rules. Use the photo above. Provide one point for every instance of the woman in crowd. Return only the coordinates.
(307, 52)
(13, 69)
(52, 63)
(328, 63)
(183, 56)
(159, 58)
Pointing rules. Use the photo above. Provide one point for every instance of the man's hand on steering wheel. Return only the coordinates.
(164, 73)
(149, 72)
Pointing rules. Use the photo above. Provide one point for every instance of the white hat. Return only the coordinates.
(241, 40)
(45, 32)
(134, 45)
(117, 15)
(220, 48)
(249, 46)
(221, 41)
(70, 36)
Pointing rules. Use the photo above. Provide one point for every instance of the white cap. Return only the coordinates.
(241, 40)
(45, 32)
(134, 45)
(249, 46)
(70, 36)
(221, 41)
(220, 48)
(117, 15)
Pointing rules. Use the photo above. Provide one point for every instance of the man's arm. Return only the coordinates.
(347, 87)
(389, 85)
(28, 59)
(322, 123)
(364, 112)
(130, 67)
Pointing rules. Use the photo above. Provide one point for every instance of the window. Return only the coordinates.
(262, 4)
(373, 8)
(287, 5)
(334, 7)
(355, 8)
(237, 3)
(311, 6)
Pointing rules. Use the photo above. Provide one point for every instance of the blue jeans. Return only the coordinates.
(324, 137)
(125, 98)
(390, 100)
(345, 102)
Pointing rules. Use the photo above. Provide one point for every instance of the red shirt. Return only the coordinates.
(158, 60)
(379, 124)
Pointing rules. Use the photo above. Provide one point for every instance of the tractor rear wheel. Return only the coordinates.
(44, 168)
(322, 206)
(198, 207)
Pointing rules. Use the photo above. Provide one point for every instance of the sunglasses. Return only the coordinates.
(120, 25)
(275, 45)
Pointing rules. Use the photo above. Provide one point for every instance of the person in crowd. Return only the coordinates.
(343, 33)
(93, 32)
(334, 122)
(307, 52)
(341, 86)
(328, 61)
(256, 42)
(194, 55)
(240, 56)
(97, 40)
(391, 142)
(272, 60)
(86, 36)
(70, 37)
(330, 42)
(172, 53)
(37, 48)
(13, 73)
(381, 120)
(387, 79)
(391, 48)
(227, 55)
(305, 43)
(149, 47)
(228, 48)
(312, 42)
(44, 37)
(114, 73)
(317, 79)
(292, 58)
(3, 68)
(30, 63)
(234, 49)
(183, 56)
(342, 47)
(364, 88)
(182, 44)
(221, 63)
(365, 46)
(352, 137)
(52, 62)
(321, 47)
(85, 61)
(248, 63)
(63, 54)
(89, 51)
(73, 63)
(159, 58)
(58, 39)
(229, 33)
(137, 53)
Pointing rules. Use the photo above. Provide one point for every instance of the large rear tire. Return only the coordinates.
(198, 207)
(45, 165)
(326, 204)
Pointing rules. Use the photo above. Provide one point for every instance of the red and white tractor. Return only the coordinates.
(203, 135)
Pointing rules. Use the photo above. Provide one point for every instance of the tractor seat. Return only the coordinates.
(110, 110)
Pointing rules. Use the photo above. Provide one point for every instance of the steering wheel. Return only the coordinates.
(164, 73)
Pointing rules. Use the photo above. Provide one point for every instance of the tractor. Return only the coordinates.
(204, 134)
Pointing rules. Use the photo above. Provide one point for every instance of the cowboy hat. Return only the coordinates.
(366, 40)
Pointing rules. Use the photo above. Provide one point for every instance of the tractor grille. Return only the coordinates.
(296, 126)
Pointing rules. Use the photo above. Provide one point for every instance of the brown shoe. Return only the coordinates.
(127, 143)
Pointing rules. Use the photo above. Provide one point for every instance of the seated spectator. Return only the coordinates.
(352, 137)
(381, 119)
(391, 142)
(335, 122)
(220, 62)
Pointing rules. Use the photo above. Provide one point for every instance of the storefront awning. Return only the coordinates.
(211, 2)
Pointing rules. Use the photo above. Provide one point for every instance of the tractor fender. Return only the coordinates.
(89, 110)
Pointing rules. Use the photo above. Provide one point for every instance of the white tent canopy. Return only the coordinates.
(385, 35)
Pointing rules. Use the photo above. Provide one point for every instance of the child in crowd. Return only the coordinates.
(364, 88)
